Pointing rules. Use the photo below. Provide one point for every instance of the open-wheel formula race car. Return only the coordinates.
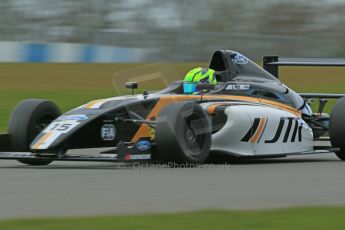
(249, 113)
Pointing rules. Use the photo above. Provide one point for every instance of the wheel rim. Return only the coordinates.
(194, 142)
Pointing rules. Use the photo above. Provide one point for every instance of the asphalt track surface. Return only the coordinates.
(78, 189)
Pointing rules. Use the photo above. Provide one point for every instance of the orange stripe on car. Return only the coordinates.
(91, 104)
(259, 130)
(42, 140)
(254, 99)
(144, 130)
(212, 108)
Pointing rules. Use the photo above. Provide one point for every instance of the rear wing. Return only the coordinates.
(271, 64)
(322, 95)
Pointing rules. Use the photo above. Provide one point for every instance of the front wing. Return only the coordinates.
(123, 153)
(127, 157)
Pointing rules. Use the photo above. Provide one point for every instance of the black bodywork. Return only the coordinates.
(129, 113)
(122, 112)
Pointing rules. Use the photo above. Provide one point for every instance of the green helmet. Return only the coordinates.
(198, 75)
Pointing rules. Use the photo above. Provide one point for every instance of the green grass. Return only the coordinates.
(70, 85)
(66, 99)
(292, 218)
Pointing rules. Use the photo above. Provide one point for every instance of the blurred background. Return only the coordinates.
(126, 34)
(156, 30)
(85, 48)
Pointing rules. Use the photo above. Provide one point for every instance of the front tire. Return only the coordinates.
(337, 127)
(27, 120)
(183, 133)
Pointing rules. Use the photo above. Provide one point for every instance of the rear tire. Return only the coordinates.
(27, 120)
(337, 127)
(183, 134)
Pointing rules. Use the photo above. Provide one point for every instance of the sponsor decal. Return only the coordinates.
(53, 131)
(237, 87)
(143, 145)
(141, 157)
(108, 132)
(76, 117)
(240, 59)
(152, 134)
(258, 128)
(129, 157)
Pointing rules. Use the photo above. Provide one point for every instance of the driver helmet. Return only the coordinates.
(198, 75)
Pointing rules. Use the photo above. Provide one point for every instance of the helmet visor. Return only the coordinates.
(189, 87)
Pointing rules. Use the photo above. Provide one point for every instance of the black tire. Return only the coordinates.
(337, 127)
(176, 139)
(27, 120)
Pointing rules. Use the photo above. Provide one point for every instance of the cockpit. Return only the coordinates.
(238, 75)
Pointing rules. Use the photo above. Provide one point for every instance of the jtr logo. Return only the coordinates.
(258, 128)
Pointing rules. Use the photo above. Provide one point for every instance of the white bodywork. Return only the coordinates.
(278, 132)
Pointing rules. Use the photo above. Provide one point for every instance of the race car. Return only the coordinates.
(249, 113)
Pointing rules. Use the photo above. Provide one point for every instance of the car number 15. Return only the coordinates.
(61, 126)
